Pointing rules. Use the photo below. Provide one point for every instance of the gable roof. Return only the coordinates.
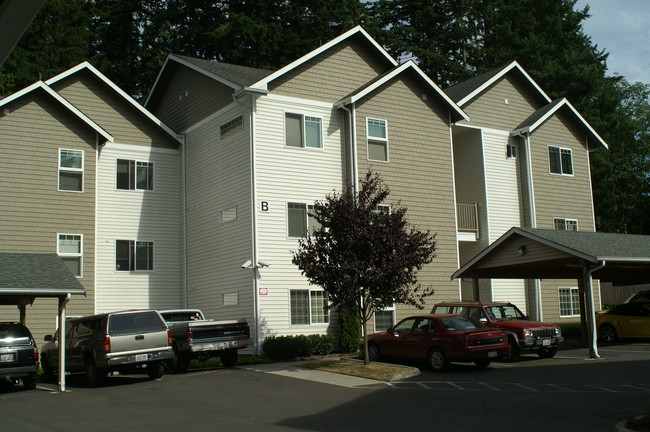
(467, 90)
(358, 30)
(87, 66)
(380, 80)
(538, 118)
(40, 85)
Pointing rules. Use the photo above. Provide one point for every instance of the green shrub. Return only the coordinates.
(349, 332)
(290, 347)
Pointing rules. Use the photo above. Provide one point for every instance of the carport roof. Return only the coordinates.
(35, 275)
(531, 253)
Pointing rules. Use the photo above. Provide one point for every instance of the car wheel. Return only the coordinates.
(373, 352)
(515, 353)
(482, 363)
(29, 382)
(156, 370)
(94, 375)
(547, 352)
(437, 360)
(229, 357)
(607, 333)
(48, 373)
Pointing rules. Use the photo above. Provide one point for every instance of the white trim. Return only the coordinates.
(548, 153)
(486, 129)
(263, 83)
(303, 138)
(72, 170)
(504, 71)
(115, 88)
(487, 195)
(377, 139)
(559, 302)
(140, 149)
(310, 324)
(565, 221)
(135, 189)
(298, 101)
(79, 255)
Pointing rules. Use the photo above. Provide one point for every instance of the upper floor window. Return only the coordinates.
(303, 131)
(560, 160)
(131, 255)
(511, 150)
(228, 214)
(563, 224)
(377, 134)
(71, 170)
(70, 249)
(300, 219)
(382, 209)
(230, 128)
(132, 174)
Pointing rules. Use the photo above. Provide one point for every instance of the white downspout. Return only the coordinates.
(184, 206)
(354, 169)
(593, 347)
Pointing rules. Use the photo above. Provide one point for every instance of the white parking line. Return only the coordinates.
(455, 385)
(636, 388)
(562, 388)
(602, 388)
(489, 386)
(526, 387)
(424, 385)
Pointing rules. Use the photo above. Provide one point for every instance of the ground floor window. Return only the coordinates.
(569, 302)
(308, 307)
(384, 319)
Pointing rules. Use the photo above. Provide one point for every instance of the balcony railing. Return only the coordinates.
(468, 218)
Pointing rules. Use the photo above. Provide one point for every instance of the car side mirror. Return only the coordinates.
(483, 320)
(48, 338)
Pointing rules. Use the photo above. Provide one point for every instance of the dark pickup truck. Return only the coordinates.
(198, 338)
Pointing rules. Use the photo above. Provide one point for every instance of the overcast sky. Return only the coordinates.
(622, 28)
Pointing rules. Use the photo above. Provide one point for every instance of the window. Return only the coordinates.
(300, 219)
(562, 224)
(133, 175)
(308, 307)
(511, 151)
(230, 128)
(229, 214)
(230, 299)
(569, 302)
(131, 255)
(382, 209)
(384, 319)
(303, 131)
(71, 170)
(70, 250)
(377, 140)
(560, 160)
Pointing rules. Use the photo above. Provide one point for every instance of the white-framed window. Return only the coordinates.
(134, 175)
(228, 214)
(230, 299)
(563, 224)
(70, 249)
(231, 128)
(383, 209)
(385, 318)
(308, 307)
(560, 160)
(71, 170)
(569, 302)
(300, 219)
(133, 255)
(511, 151)
(377, 135)
(303, 131)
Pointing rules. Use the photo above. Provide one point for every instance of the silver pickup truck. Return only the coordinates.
(127, 342)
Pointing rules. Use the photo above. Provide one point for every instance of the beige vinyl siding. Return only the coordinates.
(218, 178)
(289, 174)
(111, 111)
(419, 173)
(33, 212)
(559, 195)
(551, 299)
(334, 73)
(151, 215)
(184, 97)
(490, 110)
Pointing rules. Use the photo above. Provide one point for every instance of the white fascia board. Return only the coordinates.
(83, 117)
(155, 83)
(122, 93)
(263, 83)
(497, 77)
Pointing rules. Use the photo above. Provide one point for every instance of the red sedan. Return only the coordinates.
(439, 339)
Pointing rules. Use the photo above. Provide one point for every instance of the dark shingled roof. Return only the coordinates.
(36, 275)
(539, 114)
(240, 75)
(463, 88)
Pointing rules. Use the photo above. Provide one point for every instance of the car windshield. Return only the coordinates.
(135, 323)
(504, 312)
(457, 323)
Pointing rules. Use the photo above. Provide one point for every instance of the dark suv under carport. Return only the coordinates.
(18, 355)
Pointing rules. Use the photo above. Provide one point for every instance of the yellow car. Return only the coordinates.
(627, 320)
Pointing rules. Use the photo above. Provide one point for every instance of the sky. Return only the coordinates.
(622, 28)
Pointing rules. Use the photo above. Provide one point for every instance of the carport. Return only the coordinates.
(25, 277)
(531, 253)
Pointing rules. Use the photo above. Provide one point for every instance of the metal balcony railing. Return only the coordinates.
(468, 217)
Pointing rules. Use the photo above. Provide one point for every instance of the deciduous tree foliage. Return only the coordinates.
(365, 259)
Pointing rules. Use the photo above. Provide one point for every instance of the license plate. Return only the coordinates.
(141, 357)
(546, 342)
(7, 357)
(492, 354)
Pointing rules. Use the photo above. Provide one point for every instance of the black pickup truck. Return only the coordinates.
(198, 338)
